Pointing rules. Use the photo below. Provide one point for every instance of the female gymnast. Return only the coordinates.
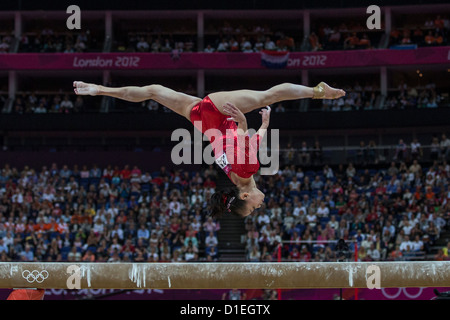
(221, 111)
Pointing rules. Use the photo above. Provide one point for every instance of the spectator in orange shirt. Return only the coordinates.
(85, 218)
(76, 218)
(88, 256)
(430, 194)
(40, 227)
(364, 42)
(285, 43)
(438, 38)
(51, 226)
(396, 254)
(418, 194)
(351, 41)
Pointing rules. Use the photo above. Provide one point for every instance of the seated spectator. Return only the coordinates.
(234, 45)
(400, 151)
(211, 240)
(396, 254)
(444, 147)
(323, 211)
(417, 36)
(416, 150)
(269, 44)
(4, 46)
(364, 42)
(209, 49)
(430, 39)
(142, 45)
(372, 253)
(314, 42)
(406, 39)
(317, 153)
(223, 46)
(351, 41)
(156, 46)
(305, 155)
(334, 38)
(406, 245)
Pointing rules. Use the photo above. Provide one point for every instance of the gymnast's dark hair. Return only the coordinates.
(225, 200)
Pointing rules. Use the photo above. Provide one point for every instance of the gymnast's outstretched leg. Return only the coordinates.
(249, 100)
(176, 101)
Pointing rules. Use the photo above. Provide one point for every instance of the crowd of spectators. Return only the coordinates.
(239, 37)
(393, 213)
(110, 214)
(355, 35)
(145, 42)
(432, 32)
(227, 38)
(124, 214)
(32, 102)
(343, 36)
(249, 45)
(48, 40)
(253, 38)
(409, 97)
(367, 96)
(368, 153)
(360, 96)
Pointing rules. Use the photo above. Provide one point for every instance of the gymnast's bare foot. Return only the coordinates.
(83, 89)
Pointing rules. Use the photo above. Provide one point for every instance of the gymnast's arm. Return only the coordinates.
(265, 116)
(236, 115)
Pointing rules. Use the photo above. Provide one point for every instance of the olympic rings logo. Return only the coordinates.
(35, 275)
(399, 291)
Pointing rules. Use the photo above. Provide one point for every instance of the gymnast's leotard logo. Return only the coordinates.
(35, 275)
(223, 163)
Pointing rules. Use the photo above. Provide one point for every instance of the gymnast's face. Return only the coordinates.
(254, 199)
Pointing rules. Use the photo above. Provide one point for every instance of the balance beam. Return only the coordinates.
(284, 275)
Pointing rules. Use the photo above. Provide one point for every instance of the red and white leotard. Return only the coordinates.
(231, 158)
